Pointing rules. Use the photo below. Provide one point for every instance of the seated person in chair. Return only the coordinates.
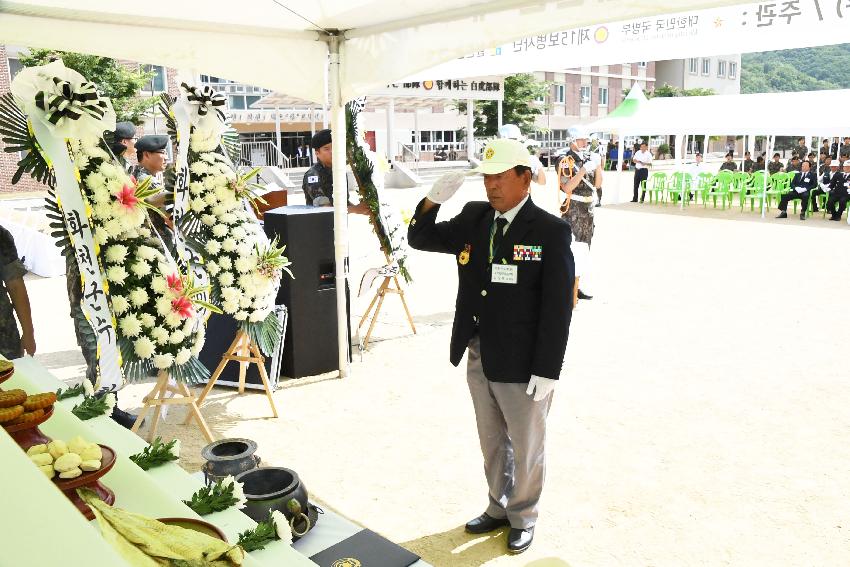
(801, 186)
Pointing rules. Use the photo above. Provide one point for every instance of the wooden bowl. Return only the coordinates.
(196, 525)
(89, 480)
(107, 461)
(28, 434)
(6, 375)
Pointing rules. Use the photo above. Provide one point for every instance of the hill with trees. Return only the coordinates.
(790, 70)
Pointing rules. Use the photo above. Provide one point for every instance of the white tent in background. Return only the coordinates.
(721, 115)
(305, 49)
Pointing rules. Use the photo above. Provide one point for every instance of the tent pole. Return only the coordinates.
(277, 137)
(764, 184)
(681, 140)
(340, 201)
(390, 128)
(470, 129)
(499, 110)
(621, 147)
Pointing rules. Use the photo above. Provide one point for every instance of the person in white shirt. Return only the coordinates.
(512, 132)
(695, 169)
(642, 160)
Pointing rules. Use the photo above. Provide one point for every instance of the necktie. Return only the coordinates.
(497, 233)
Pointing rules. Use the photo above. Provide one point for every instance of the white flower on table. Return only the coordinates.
(281, 526)
(176, 449)
(110, 402)
(88, 389)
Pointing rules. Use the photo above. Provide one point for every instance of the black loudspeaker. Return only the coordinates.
(311, 345)
(221, 330)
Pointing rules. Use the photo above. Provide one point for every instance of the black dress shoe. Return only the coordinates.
(520, 540)
(582, 295)
(802, 216)
(835, 218)
(124, 418)
(634, 200)
(484, 523)
(782, 215)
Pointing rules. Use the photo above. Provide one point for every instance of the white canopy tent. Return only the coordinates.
(346, 48)
(817, 113)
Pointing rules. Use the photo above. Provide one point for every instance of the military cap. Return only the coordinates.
(151, 143)
(846, 163)
(320, 138)
(834, 163)
(125, 131)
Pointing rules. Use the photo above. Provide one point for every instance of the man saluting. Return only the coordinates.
(515, 276)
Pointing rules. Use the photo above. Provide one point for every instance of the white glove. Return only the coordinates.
(593, 162)
(539, 387)
(446, 186)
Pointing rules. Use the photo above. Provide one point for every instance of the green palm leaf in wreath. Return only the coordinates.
(17, 137)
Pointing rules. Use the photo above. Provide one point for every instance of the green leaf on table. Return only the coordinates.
(155, 454)
(259, 537)
(71, 392)
(93, 406)
(214, 498)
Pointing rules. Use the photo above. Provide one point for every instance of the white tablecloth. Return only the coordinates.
(157, 492)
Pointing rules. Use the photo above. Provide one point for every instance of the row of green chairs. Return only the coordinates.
(723, 186)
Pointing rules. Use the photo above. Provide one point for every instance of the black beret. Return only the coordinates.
(151, 143)
(125, 131)
(320, 138)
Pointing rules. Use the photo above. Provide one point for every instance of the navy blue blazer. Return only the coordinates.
(523, 327)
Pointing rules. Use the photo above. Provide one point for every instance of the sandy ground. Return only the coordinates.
(701, 420)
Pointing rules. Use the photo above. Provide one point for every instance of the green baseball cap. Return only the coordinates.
(501, 155)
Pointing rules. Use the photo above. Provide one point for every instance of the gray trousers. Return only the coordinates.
(512, 432)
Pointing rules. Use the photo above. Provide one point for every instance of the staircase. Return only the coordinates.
(431, 171)
(428, 172)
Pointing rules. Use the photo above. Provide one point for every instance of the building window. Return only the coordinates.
(584, 95)
(733, 70)
(693, 66)
(541, 98)
(559, 93)
(721, 69)
(706, 66)
(236, 102)
(603, 96)
(642, 64)
(157, 83)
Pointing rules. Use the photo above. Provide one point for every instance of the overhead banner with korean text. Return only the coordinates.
(745, 28)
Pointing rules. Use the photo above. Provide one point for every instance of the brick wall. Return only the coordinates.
(9, 161)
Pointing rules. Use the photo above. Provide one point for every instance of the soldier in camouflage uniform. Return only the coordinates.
(152, 155)
(123, 142)
(318, 183)
(13, 300)
(580, 178)
(774, 166)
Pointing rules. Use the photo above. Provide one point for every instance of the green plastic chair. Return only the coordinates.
(703, 185)
(720, 186)
(754, 190)
(739, 186)
(678, 185)
(780, 183)
(657, 185)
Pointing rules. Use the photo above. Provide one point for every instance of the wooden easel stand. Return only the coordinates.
(243, 351)
(157, 398)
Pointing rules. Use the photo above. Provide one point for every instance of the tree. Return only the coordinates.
(667, 90)
(118, 82)
(518, 107)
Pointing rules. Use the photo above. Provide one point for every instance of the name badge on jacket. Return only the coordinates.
(504, 273)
